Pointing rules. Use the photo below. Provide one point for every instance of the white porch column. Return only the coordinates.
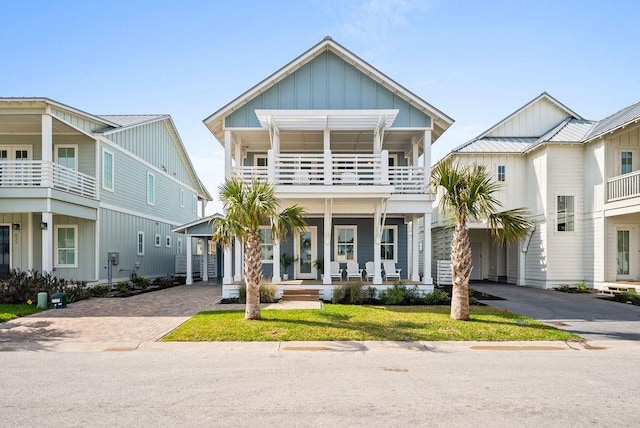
(227, 276)
(205, 261)
(327, 243)
(237, 276)
(47, 151)
(415, 155)
(426, 251)
(30, 240)
(276, 262)
(415, 249)
(47, 242)
(271, 166)
(384, 167)
(227, 154)
(377, 142)
(189, 280)
(328, 168)
(522, 260)
(377, 234)
(237, 156)
(426, 149)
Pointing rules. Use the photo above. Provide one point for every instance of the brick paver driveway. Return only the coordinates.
(142, 318)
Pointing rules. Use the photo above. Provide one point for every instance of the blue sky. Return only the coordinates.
(476, 61)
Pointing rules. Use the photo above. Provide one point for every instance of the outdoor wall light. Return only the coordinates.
(43, 225)
(16, 226)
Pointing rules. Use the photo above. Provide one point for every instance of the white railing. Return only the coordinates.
(623, 186)
(408, 179)
(25, 173)
(336, 169)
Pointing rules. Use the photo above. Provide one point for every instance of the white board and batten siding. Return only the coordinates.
(533, 121)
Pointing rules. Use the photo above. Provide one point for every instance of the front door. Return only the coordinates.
(625, 245)
(305, 254)
(5, 251)
(476, 261)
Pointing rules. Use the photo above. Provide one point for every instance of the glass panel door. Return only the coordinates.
(5, 255)
(306, 254)
(623, 254)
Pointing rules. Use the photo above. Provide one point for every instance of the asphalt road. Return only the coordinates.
(350, 384)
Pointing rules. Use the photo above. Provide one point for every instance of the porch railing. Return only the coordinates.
(623, 186)
(336, 169)
(46, 174)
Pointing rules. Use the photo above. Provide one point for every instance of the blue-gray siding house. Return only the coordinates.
(75, 186)
(350, 145)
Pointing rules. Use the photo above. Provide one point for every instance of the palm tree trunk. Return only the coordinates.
(252, 275)
(460, 272)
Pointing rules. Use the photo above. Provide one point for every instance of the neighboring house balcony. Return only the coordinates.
(23, 174)
(623, 186)
(366, 171)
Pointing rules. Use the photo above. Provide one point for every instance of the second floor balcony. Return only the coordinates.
(44, 174)
(326, 169)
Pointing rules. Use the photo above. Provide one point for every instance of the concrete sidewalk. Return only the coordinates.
(588, 315)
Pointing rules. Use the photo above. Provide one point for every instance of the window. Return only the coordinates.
(260, 160)
(141, 243)
(346, 243)
(565, 214)
(389, 243)
(66, 245)
(502, 172)
(266, 244)
(179, 246)
(626, 162)
(157, 239)
(194, 204)
(167, 241)
(181, 198)
(107, 170)
(151, 189)
(66, 156)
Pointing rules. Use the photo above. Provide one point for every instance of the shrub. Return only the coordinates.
(99, 290)
(267, 293)
(123, 287)
(160, 281)
(17, 286)
(353, 293)
(581, 287)
(140, 281)
(438, 297)
(628, 297)
(399, 294)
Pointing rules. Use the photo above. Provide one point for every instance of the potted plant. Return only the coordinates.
(285, 261)
(319, 265)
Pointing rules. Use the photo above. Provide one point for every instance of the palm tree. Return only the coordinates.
(247, 207)
(469, 196)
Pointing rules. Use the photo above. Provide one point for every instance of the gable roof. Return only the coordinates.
(216, 120)
(615, 121)
(131, 119)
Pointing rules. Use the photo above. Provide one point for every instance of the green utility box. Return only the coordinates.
(58, 300)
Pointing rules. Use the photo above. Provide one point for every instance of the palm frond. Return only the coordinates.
(509, 226)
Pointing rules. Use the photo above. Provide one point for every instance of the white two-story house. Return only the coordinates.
(350, 145)
(578, 181)
(76, 186)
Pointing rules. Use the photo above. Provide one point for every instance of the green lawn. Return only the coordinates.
(346, 322)
(9, 312)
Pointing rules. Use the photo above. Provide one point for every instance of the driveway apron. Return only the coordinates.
(589, 315)
(141, 318)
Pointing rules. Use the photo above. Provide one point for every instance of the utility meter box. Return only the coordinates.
(114, 257)
(58, 300)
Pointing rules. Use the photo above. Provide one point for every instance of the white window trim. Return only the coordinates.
(75, 244)
(179, 246)
(557, 216)
(167, 241)
(261, 245)
(66, 146)
(634, 158)
(140, 243)
(113, 170)
(194, 204)
(153, 193)
(181, 198)
(157, 240)
(395, 242)
(355, 241)
(256, 157)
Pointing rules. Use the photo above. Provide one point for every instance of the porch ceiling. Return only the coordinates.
(30, 124)
(319, 120)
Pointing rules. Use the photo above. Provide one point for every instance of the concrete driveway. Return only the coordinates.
(588, 315)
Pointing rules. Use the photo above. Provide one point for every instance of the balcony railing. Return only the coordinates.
(623, 186)
(337, 169)
(24, 173)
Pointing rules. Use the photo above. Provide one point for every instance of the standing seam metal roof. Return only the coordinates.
(614, 121)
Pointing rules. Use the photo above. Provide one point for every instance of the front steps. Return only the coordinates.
(300, 295)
